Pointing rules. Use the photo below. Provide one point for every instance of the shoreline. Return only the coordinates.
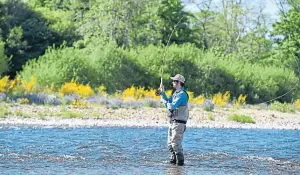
(100, 116)
(86, 123)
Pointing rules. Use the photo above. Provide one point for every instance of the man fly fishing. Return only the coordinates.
(178, 115)
(178, 112)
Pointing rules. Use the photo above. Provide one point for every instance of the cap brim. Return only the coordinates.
(173, 78)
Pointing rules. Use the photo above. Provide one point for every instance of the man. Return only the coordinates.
(178, 115)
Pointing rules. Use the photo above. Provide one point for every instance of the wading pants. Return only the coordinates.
(175, 137)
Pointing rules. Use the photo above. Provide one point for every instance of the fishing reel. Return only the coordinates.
(158, 92)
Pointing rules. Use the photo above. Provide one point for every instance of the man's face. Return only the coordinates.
(175, 83)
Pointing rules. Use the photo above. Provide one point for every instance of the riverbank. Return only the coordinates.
(67, 116)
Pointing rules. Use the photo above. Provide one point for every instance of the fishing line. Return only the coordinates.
(293, 88)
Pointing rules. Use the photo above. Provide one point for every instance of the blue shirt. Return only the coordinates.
(179, 98)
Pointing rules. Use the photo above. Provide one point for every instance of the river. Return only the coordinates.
(134, 150)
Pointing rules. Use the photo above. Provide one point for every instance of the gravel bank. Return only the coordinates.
(58, 116)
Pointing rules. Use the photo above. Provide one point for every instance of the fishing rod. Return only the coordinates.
(158, 91)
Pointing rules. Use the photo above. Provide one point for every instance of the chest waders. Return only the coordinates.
(177, 127)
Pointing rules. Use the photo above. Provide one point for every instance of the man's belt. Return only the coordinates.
(178, 121)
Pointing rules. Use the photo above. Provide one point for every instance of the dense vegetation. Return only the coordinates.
(121, 43)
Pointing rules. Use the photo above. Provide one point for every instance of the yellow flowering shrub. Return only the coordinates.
(16, 85)
(221, 99)
(151, 94)
(68, 88)
(191, 95)
(197, 100)
(30, 86)
(75, 88)
(140, 93)
(297, 104)
(4, 84)
(169, 93)
(13, 84)
(128, 94)
(241, 100)
(137, 93)
(102, 90)
(85, 90)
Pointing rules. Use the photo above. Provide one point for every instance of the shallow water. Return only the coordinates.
(117, 150)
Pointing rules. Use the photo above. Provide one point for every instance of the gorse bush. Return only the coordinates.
(70, 88)
(196, 100)
(18, 86)
(241, 100)
(78, 95)
(297, 104)
(221, 99)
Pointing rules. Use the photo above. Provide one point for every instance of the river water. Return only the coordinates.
(132, 150)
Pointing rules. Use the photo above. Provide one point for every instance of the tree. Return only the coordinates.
(26, 33)
(234, 27)
(171, 12)
(288, 32)
(128, 22)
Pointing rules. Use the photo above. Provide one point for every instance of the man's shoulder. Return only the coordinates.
(182, 92)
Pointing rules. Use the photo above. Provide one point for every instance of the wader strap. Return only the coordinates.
(179, 121)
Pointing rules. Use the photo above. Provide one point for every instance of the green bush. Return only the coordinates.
(282, 107)
(60, 65)
(184, 59)
(115, 67)
(3, 110)
(71, 114)
(210, 117)
(260, 83)
(208, 74)
(241, 118)
(97, 63)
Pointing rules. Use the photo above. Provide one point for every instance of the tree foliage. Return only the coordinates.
(289, 30)
(218, 46)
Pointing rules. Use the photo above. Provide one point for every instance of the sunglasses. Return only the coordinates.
(176, 81)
